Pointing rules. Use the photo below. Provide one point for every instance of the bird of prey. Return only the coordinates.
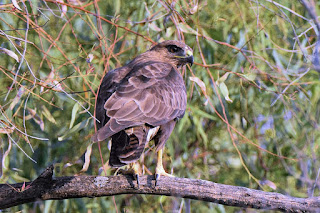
(142, 101)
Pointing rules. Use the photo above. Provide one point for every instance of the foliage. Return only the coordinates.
(254, 122)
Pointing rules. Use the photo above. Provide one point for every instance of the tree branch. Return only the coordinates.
(47, 188)
(311, 8)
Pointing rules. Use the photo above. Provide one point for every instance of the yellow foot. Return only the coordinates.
(160, 172)
(134, 170)
(159, 168)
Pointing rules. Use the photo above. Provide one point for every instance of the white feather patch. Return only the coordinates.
(152, 132)
(129, 131)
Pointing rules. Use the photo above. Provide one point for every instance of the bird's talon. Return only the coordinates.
(137, 178)
(157, 177)
(160, 173)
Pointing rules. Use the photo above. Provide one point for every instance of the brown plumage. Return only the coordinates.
(146, 94)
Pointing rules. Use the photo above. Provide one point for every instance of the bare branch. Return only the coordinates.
(310, 7)
(47, 188)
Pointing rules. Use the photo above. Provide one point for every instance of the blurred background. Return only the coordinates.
(253, 109)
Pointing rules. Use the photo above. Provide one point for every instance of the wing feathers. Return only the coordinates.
(126, 110)
(147, 104)
(116, 104)
(153, 94)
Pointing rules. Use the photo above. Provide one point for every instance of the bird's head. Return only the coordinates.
(174, 52)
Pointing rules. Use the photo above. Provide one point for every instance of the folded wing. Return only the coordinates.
(151, 94)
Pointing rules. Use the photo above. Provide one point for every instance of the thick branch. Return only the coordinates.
(46, 188)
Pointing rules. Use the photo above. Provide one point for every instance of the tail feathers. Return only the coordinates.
(130, 148)
(127, 146)
(135, 154)
(119, 141)
(115, 162)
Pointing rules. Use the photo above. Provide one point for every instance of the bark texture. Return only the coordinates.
(47, 188)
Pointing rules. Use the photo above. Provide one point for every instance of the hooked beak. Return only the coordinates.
(184, 59)
(189, 57)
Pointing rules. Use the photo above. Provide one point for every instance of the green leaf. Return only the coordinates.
(154, 27)
(9, 53)
(48, 115)
(76, 128)
(87, 159)
(202, 113)
(200, 130)
(74, 113)
(187, 29)
(183, 122)
(223, 78)
(250, 76)
(16, 5)
(225, 92)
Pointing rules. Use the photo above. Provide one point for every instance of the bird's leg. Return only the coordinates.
(159, 168)
(135, 169)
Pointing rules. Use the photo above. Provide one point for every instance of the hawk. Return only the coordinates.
(142, 101)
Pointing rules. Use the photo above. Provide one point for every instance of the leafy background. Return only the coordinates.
(253, 97)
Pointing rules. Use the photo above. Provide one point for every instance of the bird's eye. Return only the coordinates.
(173, 48)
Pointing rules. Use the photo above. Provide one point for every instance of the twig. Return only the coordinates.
(310, 7)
